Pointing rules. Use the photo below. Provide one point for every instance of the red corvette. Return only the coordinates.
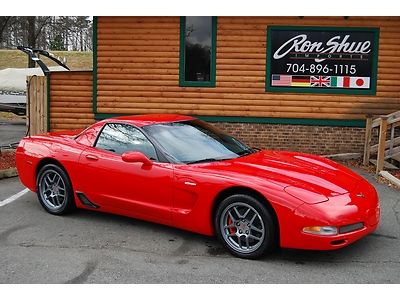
(182, 172)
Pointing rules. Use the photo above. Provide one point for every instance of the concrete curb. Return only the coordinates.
(390, 177)
(344, 156)
(11, 172)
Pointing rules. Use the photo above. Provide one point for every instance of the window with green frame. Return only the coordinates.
(197, 51)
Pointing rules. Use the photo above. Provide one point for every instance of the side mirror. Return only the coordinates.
(136, 157)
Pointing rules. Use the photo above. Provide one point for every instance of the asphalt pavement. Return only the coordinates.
(93, 247)
(11, 131)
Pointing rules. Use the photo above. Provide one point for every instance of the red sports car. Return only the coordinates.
(180, 171)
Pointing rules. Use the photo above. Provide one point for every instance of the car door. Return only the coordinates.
(124, 187)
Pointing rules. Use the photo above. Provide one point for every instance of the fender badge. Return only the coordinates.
(360, 195)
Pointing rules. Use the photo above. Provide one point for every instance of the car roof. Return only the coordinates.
(150, 119)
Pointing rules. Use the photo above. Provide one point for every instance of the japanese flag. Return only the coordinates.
(359, 82)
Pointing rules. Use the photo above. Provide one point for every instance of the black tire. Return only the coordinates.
(56, 197)
(237, 234)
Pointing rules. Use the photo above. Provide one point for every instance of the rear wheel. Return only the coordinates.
(54, 190)
(245, 226)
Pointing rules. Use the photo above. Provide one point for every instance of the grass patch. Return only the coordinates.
(10, 116)
(76, 60)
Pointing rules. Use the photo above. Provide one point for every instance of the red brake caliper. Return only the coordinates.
(232, 230)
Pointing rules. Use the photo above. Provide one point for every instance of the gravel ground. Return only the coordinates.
(7, 159)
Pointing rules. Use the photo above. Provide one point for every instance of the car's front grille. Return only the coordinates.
(351, 227)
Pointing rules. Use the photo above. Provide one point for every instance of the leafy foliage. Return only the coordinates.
(57, 43)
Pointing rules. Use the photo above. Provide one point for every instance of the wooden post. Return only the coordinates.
(32, 101)
(391, 139)
(28, 113)
(367, 143)
(381, 146)
(37, 104)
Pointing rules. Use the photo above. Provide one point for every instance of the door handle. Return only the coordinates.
(92, 157)
(190, 183)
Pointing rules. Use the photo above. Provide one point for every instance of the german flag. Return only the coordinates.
(301, 80)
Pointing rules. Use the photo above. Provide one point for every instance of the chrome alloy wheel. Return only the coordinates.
(242, 227)
(52, 189)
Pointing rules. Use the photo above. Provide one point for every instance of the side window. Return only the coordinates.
(120, 138)
(197, 51)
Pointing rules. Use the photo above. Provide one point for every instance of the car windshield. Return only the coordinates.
(195, 141)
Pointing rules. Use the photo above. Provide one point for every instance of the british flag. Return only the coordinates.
(321, 81)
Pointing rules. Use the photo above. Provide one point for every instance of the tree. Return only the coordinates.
(44, 32)
(57, 43)
(31, 24)
(35, 26)
(3, 25)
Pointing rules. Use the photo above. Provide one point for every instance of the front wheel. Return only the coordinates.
(245, 226)
(54, 190)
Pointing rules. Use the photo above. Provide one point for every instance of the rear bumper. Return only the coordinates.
(342, 210)
(26, 164)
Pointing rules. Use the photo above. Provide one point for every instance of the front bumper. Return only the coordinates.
(362, 205)
(315, 242)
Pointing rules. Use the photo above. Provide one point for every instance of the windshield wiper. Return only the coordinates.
(204, 160)
(246, 152)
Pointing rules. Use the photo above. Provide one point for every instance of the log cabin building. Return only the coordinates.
(297, 83)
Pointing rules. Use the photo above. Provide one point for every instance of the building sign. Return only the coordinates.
(322, 59)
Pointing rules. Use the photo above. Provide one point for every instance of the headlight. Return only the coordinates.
(321, 230)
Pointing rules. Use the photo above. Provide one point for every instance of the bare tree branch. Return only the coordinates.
(39, 30)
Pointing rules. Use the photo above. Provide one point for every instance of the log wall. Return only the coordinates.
(71, 95)
(138, 70)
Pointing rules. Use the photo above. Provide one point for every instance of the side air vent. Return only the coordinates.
(338, 242)
(85, 201)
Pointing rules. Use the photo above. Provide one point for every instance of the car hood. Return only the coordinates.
(292, 169)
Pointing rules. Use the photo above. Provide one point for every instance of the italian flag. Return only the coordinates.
(350, 82)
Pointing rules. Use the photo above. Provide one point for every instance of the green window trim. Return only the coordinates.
(48, 82)
(94, 49)
(182, 81)
(274, 89)
(358, 123)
